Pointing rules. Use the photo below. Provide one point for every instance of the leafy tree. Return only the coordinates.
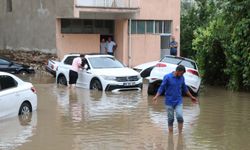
(237, 16)
(209, 47)
(197, 15)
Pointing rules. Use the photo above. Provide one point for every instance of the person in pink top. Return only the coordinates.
(73, 72)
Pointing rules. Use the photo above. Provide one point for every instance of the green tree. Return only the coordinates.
(222, 46)
(209, 47)
(237, 16)
(197, 15)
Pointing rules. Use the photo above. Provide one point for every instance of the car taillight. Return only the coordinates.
(33, 89)
(194, 72)
(160, 65)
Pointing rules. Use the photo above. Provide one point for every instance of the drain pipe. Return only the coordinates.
(129, 44)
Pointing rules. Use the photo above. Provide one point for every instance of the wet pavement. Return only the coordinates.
(81, 119)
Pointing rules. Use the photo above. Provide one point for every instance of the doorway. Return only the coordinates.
(165, 40)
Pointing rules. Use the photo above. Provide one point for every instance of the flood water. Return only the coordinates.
(81, 119)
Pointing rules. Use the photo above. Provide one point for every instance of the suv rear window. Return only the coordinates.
(179, 61)
(69, 60)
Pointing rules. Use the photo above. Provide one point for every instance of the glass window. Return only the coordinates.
(9, 6)
(76, 26)
(150, 26)
(165, 40)
(109, 25)
(7, 82)
(99, 23)
(167, 26)
(4, 62)
(158, 26)
(105, 62)
(133, 27)
(69, 60)
(88, 26)
(65, 26)
(140, 27)
(179, 61)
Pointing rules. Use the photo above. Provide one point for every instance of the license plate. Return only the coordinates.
(128, 83)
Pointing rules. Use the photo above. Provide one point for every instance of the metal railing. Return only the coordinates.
(108, 3)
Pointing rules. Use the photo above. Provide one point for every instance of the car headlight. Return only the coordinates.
(109, 78)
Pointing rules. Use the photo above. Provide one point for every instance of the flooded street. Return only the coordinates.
(81, 119)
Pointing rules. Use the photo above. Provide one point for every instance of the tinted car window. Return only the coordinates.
(4, 62)
(105, 62)
(69, 60)
(7, 82)
(179, 61)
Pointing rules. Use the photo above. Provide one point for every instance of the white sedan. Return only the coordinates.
(167, 65)
(102, 72)
(16, 96)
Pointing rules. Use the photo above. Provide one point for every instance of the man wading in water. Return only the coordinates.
(173, 84)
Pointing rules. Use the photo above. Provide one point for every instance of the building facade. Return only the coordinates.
(141, 28)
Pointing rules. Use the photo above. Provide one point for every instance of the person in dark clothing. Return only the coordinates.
(173, 47)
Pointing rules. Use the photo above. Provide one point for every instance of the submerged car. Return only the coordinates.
(9, 66)
(101, 72)
(167, 65)
(16, 96)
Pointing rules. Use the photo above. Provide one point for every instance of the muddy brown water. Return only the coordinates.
(81, 119)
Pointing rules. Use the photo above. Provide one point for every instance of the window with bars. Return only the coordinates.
(151, 26)
(87, 26)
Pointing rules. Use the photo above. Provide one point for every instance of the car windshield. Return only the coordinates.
(179, 61)
(105, 62)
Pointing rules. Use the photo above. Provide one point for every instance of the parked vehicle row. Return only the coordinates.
(99, 72)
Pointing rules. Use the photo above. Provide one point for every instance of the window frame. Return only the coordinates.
(10, 77)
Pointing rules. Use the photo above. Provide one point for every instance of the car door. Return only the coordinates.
(85, 75)
(8, 97)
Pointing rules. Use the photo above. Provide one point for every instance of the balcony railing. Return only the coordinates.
(108, 3)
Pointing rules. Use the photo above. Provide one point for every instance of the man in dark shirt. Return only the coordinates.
(173, 46)
(173, 84)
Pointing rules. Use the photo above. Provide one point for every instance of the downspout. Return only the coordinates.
(129, 44)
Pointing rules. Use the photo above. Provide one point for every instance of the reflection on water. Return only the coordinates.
(82, 119)
(17, 130)
(38, 78)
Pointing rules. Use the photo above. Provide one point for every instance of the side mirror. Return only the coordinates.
(11, 63)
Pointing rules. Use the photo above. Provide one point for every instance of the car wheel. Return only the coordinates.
(96, 85)
(152, 88)
(25, 109)
(23, 72)
(62, 80)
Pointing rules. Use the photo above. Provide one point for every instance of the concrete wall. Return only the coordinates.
(146, 47)
(33, 26)
(121, 34)
(76, 43)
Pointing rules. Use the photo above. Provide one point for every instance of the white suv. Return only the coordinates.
(101, 72)
(167, 65)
